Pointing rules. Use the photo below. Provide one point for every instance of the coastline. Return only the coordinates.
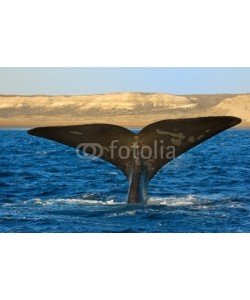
(121, 121)
(131, 110)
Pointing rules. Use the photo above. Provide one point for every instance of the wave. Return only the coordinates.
(125, 213)
(153, 201)
(173, 201)
(73, 201)
(186, 202)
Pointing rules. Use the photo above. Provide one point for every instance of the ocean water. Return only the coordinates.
(46, 187)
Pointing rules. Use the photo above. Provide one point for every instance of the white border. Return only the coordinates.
(124, 266)
(124, 33)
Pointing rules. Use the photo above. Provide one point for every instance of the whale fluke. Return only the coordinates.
(138, 155)
(95, 137)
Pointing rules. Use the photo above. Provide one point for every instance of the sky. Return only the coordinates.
(79, 81)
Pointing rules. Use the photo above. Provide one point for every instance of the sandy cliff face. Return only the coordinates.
(127, 109)
(115, 103)
(238, 106)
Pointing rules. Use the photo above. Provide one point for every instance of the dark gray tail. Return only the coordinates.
(139, 156)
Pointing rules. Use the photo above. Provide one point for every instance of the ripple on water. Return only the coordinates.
(204, 190)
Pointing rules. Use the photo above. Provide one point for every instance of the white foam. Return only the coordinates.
(173, 201)
(77, 201)
(126, 213)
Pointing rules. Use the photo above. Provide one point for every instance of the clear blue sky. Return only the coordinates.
(106, 80)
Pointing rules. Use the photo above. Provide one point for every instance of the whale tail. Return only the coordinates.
(147, 151)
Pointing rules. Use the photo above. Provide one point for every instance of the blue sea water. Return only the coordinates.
(46, 187)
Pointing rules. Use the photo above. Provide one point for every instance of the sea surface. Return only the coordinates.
(46, 187)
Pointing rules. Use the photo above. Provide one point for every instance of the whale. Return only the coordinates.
(139, 155)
